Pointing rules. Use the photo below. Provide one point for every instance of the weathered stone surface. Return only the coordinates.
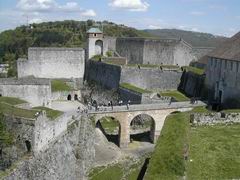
(36, 91)
(68, 157)
(215, 118)
(53, 63)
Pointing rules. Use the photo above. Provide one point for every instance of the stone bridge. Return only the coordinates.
(158, 113)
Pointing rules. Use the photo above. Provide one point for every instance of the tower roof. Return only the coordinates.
(94, 30)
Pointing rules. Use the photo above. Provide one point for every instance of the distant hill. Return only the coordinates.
(196, 39)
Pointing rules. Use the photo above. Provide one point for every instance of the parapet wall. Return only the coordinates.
(53, 63)
(35, 91)
(151, 78)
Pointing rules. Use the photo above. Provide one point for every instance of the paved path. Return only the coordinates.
(146, 107)
(68, 107)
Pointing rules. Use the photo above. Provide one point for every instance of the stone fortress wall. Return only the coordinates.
(155, 51)
(223, 76)
(36, 91)
(151, 78)
(110, 76)
(62, 149)
(53, 63)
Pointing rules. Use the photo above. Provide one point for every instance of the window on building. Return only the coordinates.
(94, 35)
(231, 66)
(237, 66)
(215, 62)
(212, 61)
(225, 64)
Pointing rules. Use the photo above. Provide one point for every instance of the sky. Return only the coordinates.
(219, 17)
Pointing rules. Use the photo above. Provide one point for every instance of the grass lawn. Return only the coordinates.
(178, 96)
(109, 124)
(231, 111)
(11, 110)
(167, 160)
(194, 70)
(12, 100)
(58, 85)
(127, 169)
(51, 114)
(215, 152)
(134, 88)
(109, 173)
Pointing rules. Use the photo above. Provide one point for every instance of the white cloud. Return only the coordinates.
(52, 6)
(36, 5)
(89, 13)
(35, 20)
(151, 26)
(131, 5)
(197, 13)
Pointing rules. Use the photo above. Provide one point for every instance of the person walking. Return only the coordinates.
(111, 105)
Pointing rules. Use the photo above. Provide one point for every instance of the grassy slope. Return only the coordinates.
(214, 150)
(58, 85)
(11, 110)
(134, 88)
(194, 70)
(51, 114)
(167, 160)
(175, 94)
(128, 169)
(6, 137)
(110, 173)
(12, 100)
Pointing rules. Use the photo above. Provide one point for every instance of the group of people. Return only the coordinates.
(102, 106)
(193, 100)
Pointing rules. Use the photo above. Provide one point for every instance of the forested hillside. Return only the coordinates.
(196, 39)
(14, 43)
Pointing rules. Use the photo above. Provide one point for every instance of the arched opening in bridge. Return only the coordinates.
(99, 47)
(110, 128)
(142, 128)
(69, 97)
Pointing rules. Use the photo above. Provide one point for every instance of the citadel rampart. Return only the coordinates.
(53, 63)
(151, 78)
(155, 51)
(110, 76)
(106, 75)
(36, 91)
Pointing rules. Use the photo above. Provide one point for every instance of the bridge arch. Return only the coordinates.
(146, 126)
(108, 126)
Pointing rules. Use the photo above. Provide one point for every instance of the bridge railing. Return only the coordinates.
(145, 107)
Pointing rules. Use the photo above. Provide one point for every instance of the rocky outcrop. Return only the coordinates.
(67, 158)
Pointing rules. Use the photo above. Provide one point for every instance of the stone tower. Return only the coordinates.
(95, 42)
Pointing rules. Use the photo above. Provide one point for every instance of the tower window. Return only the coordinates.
(94, 35)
